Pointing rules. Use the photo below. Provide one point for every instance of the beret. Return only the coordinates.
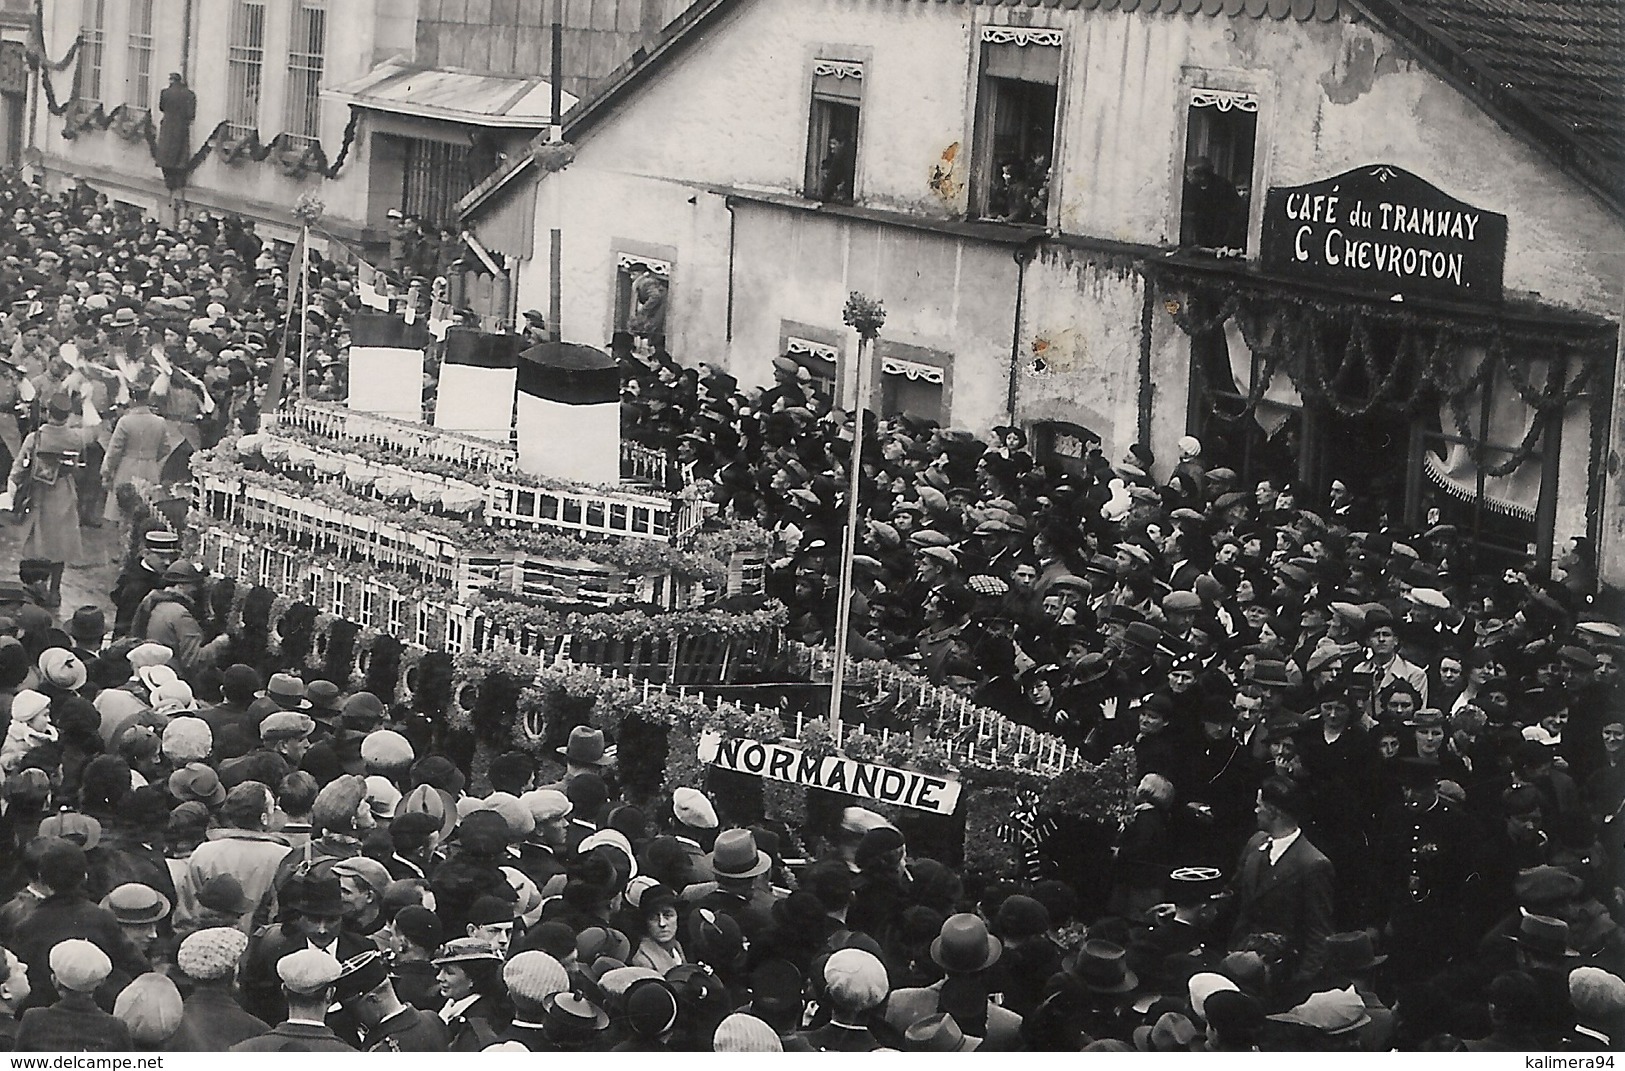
(187, 740)
(692, 808)
(745, 1033)
(211, 954)
(483, 833)
(855, 979)
(419, 925)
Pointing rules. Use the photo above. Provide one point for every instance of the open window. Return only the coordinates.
(641, 287)
(832, 135)
(820, 359)
(913, 381)
(1015, 124)
(1221, 137)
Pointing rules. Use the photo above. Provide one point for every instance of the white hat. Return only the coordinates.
(28, 704)
(1204, 985)
(1431, 597)
(149, 654)
(691, 808)
(382, 796)
(1189, 446)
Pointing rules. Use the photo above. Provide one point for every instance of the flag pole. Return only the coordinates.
(866, 317)
(304, 305)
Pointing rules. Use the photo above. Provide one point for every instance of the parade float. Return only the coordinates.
(487, 582)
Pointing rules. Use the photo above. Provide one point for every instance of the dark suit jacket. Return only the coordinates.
(58, 918)
(72, 1024)
(213, 1021)
(1292, 898)
(297, 1037)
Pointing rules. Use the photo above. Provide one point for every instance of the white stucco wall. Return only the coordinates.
(126, 170)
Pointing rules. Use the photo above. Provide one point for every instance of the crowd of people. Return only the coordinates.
(1432, 748)
(1379, 785)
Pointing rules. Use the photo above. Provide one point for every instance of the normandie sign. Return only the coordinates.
(865, 780)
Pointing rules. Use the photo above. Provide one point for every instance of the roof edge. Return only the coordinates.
(1453, 64)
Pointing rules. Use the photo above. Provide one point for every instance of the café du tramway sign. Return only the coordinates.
(1381, 228)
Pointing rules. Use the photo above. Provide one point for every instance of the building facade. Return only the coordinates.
(370, 105)
(1081, 217)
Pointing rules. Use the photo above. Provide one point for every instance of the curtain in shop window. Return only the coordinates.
(1451, 465)
(1280, 398)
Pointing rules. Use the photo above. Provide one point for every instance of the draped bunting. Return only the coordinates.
(1331, 355)
(78, 116)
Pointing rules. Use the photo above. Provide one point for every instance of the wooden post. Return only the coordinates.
(865, 317)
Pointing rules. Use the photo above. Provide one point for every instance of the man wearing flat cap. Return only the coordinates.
(306, 978)
(74, 1023)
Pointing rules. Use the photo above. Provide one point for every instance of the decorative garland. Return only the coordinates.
(444, 468)
(514, 612)
(1288, 331)
(639, 557)
(296, 163)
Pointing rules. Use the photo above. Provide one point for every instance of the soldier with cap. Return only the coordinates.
(159, 549)
(364, 990)
(1426, 888)
(306, 979)
(45, 473)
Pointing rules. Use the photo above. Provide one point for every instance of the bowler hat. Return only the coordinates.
(88, 624)
(964, 946)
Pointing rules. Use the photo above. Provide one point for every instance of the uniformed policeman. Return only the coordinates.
(1426, 878)
(387, 1024)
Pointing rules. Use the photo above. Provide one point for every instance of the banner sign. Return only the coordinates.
(866, 780)
(1379, 227)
